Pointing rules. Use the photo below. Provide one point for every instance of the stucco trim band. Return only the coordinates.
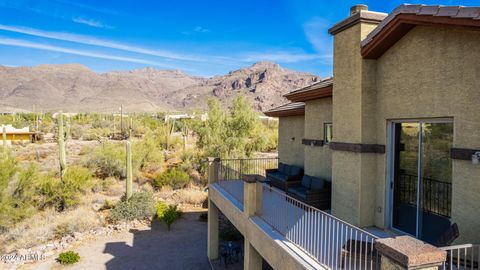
(358, 147)
(311, 142)
(462, 153)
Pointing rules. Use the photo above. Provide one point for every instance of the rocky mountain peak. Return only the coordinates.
(75, 88)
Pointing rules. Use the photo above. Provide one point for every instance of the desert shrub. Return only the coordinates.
(76, 131)
(147, 152)
(68, 257)
(107, 160)
(75, 182)
(167, 213)
(8, 168)
(107, 205)
(173, 177)
(62, 230)
(96, 134)
(141, 205)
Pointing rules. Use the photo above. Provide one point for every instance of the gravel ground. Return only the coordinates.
(184, 247)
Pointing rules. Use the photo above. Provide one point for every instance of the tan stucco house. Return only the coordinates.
(396, 131)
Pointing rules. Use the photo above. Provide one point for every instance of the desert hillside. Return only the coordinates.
(75, 88)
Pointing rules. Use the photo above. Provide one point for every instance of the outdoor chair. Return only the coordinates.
(447, 237)
(313, 191)
(284, 175)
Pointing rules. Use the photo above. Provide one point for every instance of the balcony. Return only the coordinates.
(316, 236)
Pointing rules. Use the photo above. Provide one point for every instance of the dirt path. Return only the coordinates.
(184, 247)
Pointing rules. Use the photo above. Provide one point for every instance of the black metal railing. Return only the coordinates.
(233, 169)
(436, 195)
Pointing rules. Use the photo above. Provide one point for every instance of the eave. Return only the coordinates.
(403, 23)
(318, 93)
(291, 109)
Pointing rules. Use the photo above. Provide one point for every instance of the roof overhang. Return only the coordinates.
(290, 109)
(316, 93)
(376, 44)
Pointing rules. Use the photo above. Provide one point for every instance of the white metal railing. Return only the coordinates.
(330, 241)
(462, 257)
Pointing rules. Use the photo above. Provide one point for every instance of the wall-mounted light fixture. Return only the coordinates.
(476, 158)
(292, 139)
(312, 143)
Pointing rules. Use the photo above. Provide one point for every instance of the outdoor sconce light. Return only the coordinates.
(312, 143)
(476, 158)
(292, 139)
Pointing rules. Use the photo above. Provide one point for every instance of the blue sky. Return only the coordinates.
(203, 38)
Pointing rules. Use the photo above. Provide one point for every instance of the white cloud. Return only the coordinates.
(91, 22)
(97, 42)
(316, 31)
(196, 29)
(200, 29)
(28, 44)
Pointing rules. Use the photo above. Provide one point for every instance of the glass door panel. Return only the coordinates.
(406, 177)
(436, 178)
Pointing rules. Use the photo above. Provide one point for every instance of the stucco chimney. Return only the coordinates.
(357, 8)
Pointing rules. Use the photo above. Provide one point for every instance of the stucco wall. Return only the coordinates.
(353, 194)
(318, 160)
(291, 152)
(435, 72)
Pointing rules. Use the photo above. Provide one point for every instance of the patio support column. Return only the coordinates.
(213, 232)
(405, 252)
(251, 259)
(252, 205)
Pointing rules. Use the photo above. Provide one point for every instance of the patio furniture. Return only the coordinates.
(313, 191)
(284, 175)
(447, 238)
(231, 253)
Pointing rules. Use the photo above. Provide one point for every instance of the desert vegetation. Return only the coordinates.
(87, 171)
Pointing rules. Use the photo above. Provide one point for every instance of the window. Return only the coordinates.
(327, 132)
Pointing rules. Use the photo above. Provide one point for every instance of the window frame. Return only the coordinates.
(325, 132)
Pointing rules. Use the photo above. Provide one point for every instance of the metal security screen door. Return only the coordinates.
(421, 182)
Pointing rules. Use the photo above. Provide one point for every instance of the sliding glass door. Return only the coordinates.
(422, 177)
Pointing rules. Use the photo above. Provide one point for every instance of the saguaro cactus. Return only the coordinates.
(68, 134)
(129, 169)
(61, 144)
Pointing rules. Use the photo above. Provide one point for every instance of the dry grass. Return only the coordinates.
(43, 226)
(191, 195)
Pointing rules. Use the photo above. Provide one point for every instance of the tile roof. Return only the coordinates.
(460, 12)
(323, 83)
(283, 110)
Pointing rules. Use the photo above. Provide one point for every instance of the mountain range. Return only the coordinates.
(76, 88)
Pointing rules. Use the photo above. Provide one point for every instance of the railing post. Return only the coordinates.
(252, 194)
(405, 252)
(213, 167)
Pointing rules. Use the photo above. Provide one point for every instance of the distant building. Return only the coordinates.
(17, 135)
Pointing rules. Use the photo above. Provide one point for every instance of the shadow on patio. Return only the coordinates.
(184, 247)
